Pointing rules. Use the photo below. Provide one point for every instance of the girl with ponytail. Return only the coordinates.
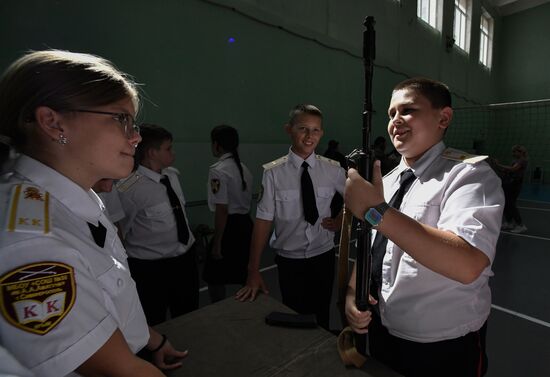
(229, 197)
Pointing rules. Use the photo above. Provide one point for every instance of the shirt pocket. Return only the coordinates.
(425, 213)
(323, 198)
(324, 193)
(115, 282)
(287, 204)
(160, 217)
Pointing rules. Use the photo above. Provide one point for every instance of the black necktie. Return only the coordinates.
(308, 197)
(380, 242)
(183, 231)
(99, 233)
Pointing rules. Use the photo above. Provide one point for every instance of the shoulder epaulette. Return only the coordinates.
(326, 159)
(274, 163)
(171, 169)
(29, 210)
(124, 184)
(461, 156)
(215, 164)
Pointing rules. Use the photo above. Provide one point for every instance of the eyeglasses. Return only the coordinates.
(127, 121)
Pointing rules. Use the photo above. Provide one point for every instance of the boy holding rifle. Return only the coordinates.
(437, 218)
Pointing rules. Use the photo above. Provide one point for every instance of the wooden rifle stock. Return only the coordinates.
(343, 264)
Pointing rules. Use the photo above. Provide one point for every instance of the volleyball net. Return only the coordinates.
(494, 129)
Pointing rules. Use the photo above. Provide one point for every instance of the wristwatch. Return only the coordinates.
(374, 214)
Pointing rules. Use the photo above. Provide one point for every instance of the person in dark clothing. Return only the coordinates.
(337, 202)
(333, 153)
(379, 149)
(512, 180)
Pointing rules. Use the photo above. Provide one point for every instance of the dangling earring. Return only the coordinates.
(62, 139)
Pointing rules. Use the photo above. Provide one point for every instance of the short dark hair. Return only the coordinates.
(435, 91)
(303, 108)
(152, 136)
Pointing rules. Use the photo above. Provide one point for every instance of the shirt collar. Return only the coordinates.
(420, 165)
(85, 204)
(225, 156)
(297, 161)
(151, 174)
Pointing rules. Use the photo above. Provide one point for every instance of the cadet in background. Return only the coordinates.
(296, 193)
(156, 230)
(229, 197)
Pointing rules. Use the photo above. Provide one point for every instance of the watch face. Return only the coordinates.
(373, 216)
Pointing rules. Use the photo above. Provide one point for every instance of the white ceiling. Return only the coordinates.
(506, 7)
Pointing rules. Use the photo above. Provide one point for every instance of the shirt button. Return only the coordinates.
(119, 282)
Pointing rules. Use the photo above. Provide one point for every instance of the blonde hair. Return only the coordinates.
(303, 108)
(61, 80)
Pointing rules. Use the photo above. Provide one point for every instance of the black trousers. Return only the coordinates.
(511, 194)
(460, 357)
(232, 269)
(306, 284)
(166, 284)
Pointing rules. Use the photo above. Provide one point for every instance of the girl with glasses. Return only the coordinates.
(68, 302)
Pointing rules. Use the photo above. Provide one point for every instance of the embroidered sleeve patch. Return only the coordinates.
(261, 193)
(36, 297)
(215, 185)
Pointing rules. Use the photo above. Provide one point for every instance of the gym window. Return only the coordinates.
(462, 24)
(430, 11)
(486, 39)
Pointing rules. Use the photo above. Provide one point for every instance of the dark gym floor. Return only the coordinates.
(518, 338)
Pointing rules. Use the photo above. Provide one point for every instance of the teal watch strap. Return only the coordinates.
(375, 214)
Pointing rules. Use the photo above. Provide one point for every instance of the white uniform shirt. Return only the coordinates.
(281, 202)
(225, 186)
(7, 167)
(52, 325)
(149, 227)
(113, 207)
(10, 367)
(465, 199)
